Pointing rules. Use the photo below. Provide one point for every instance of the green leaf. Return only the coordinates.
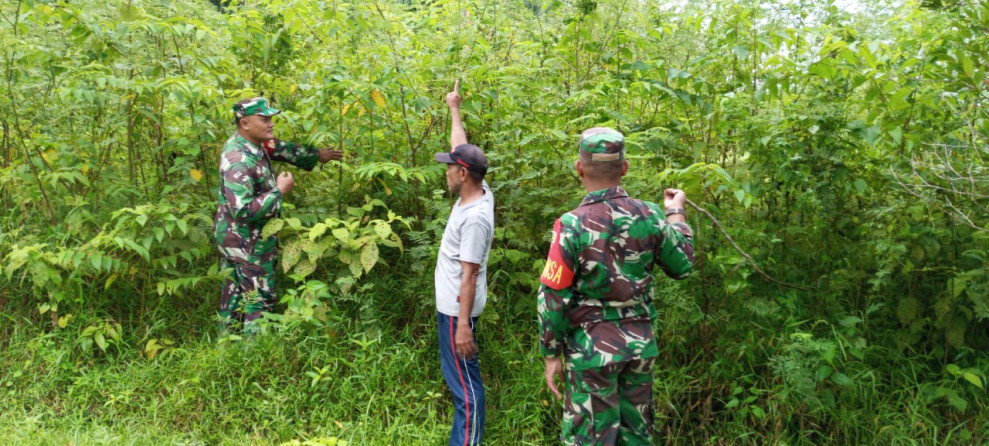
(849, 321)
(97, 260)
(317, 230)
(859, 185)
(127, 10)
(758, 413)
(841, 379)
(100, 341)
(896, 134)
(341, 234)
(973, 378)
(957, 402)
(953, 369)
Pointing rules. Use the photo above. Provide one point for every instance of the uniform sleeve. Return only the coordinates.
(676, 254)
(553, 320)
(556, 293)
(238, 189)
(299, 155)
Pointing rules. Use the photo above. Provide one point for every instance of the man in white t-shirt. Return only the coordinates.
(461, 277)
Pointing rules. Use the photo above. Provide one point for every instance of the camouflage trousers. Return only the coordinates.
(248, 291)
(611, 405)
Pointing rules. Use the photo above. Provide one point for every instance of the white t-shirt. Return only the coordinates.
(467, 238)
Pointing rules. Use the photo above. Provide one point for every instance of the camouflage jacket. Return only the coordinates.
(248, 197)
(596, 298)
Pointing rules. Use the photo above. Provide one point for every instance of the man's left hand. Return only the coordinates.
(325, 155)
(464, 339)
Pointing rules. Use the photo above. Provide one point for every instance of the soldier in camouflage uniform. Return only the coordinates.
(596, 299)
(249, 196)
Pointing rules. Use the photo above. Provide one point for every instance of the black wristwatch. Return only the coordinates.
(680, 211)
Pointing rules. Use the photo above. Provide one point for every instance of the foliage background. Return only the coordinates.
(842, 148)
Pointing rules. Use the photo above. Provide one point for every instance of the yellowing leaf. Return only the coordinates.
(387, 190)
(293, 88)
(196, 174)
(272, 227)
(369, 256)
(305, 267)
(64, 321)
(152, 348)
(378, 98)
(345, 109)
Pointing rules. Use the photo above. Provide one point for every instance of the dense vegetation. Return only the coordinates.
(836, 156)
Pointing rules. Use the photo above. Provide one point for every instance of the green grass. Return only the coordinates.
(371, 376)
(364, 383)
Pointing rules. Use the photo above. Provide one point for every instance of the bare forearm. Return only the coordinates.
(468, 284)
(457, 134)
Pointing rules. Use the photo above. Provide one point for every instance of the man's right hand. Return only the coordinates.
(453, 98)
(554, 368)
(285, 182)
(674, 198)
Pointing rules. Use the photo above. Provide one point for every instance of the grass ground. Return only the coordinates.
(371, 376)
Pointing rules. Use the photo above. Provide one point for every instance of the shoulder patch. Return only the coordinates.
(269, 146)
(556, 275)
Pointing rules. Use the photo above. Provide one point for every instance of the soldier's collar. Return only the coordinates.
(604, 194)
(243, 141)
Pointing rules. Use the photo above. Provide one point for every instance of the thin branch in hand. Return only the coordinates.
(744, 254)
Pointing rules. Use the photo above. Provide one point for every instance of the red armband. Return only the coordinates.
(556, 275)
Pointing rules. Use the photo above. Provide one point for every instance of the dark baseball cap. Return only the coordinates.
(467, 155)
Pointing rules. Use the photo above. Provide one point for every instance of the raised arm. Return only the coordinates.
(299, 155)
(457, 134)
(676, 255)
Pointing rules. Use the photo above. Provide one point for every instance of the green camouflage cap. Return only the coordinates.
(254, 106)
(602, 144)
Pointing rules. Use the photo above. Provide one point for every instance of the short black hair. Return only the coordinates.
(601, 170)
(475, 176)
(241, 102)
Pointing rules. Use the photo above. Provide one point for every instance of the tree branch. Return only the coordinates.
(747, 257)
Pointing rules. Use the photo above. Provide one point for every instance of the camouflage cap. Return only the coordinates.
(602, 144)
(254, 106)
